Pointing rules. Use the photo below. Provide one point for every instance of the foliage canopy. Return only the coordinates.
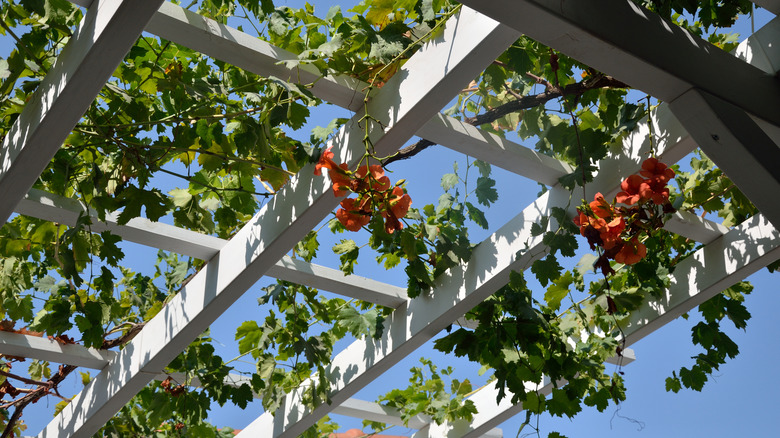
(225, 140)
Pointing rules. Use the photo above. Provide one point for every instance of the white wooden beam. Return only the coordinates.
(333, 280)
(731, 258)
(736, 144)
(694, 227)
(639, 48)
(66, 211)
(235, 47)
(760, 49)
(60, 209)
(425, 83)
(470, 140)
(106, 33)
(42, 348)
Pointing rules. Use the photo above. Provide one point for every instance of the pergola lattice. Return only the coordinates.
(738, 127)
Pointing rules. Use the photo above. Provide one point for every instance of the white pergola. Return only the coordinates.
(738, 127)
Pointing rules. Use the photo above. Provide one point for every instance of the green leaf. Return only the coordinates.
(359, 324)
(348, 253)
(560, 241)
(428, 11)
(558, 290)
(379, 10)
(486, 191)
(242, 396)
(307, 248)
(448, 181)
(19, 309)
(673, 384)
(266, 366)
(250, 337)
(561, 404)
(109, 251)
(693, 378)
(546, 269)
(484, 168)
(476, 215)
(156, 205)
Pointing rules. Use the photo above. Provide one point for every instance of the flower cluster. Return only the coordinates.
(639, 208)
(374, 194)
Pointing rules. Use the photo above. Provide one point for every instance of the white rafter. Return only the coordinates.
(425, 83)
(35, 347)
(105, 34)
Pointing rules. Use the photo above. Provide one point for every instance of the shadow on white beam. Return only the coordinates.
(741, 252)
(470, 140)
(59, 209)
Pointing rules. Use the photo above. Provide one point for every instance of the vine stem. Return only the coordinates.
(34, 396)
(579, 148)
(24, 379)
(650, 127)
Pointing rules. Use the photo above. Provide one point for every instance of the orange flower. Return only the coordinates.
(396, 207)
(631, 252)
(374, 177)
(400, 202)
(326, 161)
(655, 191)
(581, 221)
(352, 216)
(656, 171)
(610, 232)
(600, 206)
(340, 179)
(631, 187)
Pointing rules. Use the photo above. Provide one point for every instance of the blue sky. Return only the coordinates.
(737, 401)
